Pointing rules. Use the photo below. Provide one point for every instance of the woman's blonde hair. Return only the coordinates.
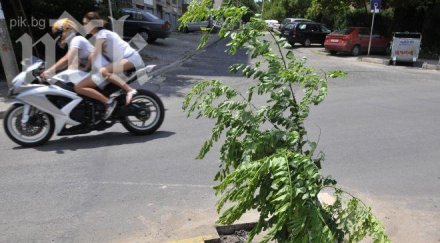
(64, 25)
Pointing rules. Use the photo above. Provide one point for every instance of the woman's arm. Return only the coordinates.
(99, 43)
(62, 63)
(88, 65)
(72, 57)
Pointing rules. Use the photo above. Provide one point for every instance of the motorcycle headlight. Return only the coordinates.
(19, 79)
(17, 82)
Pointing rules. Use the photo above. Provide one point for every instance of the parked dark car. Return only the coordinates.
(355, 40)
(149, 26)
(306, 33)
(292, 20)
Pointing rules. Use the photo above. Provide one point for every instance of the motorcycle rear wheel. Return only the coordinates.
(37, 131)
(150, 119)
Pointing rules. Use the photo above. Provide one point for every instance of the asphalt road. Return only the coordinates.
(378, 128)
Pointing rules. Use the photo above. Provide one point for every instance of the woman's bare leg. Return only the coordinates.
(110, 73)
(87, 88)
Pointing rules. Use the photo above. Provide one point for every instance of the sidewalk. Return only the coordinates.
(421, 63)
(165, 54)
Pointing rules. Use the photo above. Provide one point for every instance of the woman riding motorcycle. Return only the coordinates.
(120, 56)
(77, 57)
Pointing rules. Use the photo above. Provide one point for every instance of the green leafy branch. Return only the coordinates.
(267, 162)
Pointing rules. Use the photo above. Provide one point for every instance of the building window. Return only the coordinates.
(150, 10)
(123, 4)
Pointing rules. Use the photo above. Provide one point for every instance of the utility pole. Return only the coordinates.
(371, 32)
(17, 6)
(375, 8)
(110, 9)
(6, 50)
(111, 14)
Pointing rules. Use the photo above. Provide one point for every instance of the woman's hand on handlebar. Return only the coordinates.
(46, 75)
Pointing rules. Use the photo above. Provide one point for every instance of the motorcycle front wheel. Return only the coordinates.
(38, 130)
(151, 116)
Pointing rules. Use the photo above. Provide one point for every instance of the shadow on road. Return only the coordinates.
(301, 46)
(176, 85)
(212, 63)
(162, 43)
(97, 141)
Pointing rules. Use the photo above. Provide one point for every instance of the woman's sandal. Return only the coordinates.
(129, 96)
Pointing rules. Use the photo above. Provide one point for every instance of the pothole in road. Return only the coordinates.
(237, 233)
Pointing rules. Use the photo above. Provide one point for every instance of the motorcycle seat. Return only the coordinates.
(130, 72)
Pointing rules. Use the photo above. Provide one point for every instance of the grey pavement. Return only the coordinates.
(378, 128)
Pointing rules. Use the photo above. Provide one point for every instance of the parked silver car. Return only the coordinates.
(272, 24)
(196, 26)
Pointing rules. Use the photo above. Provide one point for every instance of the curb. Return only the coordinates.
(423, 65)
(385, 61)
(374, 60)
(199, 239)
(430, 66)
(219, 230)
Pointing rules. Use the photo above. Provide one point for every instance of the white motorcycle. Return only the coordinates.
(40, 110)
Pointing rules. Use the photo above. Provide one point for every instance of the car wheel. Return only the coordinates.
(356, 50)
(186, 30)
(333, 53)
(307, 42)
(151, 40)
(144, 35)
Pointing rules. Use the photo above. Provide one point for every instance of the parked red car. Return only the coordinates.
(355, 40)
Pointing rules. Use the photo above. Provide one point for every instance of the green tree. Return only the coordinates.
(334, 12)
(268, 163)
(280, 9)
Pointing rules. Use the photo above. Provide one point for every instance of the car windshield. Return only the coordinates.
(346, 31)
(151, 16)
(325, 29)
